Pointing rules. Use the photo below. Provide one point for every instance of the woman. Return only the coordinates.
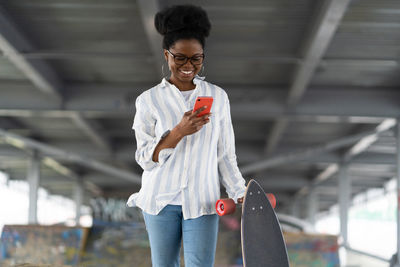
(184, 157)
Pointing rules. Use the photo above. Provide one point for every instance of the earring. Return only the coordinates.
(201, 73)
(162, 70)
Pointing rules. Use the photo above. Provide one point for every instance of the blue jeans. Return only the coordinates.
(166, 231)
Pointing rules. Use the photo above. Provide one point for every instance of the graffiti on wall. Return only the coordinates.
(55, 245)
(114, 210)
(315, 250)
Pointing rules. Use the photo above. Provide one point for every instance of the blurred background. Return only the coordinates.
(314, 92)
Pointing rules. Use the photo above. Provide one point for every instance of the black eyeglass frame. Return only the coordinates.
(187, 58)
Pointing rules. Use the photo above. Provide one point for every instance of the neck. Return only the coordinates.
(183, 86)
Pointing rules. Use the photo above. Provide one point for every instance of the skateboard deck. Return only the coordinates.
(262, 239)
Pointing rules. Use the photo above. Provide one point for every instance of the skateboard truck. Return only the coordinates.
(227, 206)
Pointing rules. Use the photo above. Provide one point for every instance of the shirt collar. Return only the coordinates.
(164, 82)
(197, 79)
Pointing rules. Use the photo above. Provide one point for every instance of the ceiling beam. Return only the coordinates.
(70, 174)
(326, 62)
(39, 72)
(47, 150)
(321, 33)
(323, 29)
(282, 182)
(124, 154)
(12, 43)
(355, 150)
(311, 152)
(276, 135)
(92, 132)
(263, 103)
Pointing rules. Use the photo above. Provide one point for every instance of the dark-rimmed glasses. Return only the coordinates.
(181, 60)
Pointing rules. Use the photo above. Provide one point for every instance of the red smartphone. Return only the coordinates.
(203, 101)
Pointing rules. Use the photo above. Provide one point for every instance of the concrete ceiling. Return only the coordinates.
(311, 83)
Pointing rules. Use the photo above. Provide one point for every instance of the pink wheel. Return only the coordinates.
(272, 200)
(225, 206)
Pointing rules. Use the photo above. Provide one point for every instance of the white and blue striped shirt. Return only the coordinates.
(193, 169)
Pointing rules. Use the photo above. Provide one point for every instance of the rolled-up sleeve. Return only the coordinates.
(146, 139)
(230, 175)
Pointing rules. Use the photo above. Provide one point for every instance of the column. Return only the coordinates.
(295, 208)
(78, 197)
(397, 132)
(312, 206)
(344, 201)
(33, 177)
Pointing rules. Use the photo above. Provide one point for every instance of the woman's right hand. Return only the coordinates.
(190, 123)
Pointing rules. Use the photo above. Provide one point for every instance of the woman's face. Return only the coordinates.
(178, 53)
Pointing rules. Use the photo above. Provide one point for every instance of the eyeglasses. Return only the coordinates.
(181, 60)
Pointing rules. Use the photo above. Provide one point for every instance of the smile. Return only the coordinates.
(189, 72)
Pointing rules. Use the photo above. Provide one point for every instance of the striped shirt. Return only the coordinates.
(193, 169)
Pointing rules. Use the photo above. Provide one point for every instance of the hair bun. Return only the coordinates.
(182, 18)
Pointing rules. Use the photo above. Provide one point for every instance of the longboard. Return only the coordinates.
(262, 239)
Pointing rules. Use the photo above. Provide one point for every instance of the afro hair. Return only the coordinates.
(182, 22)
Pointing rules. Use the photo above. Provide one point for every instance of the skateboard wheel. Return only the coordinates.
(225, 206)
(272, 200)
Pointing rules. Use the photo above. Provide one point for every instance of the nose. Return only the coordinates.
(188, 64)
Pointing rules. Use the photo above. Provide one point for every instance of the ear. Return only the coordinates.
(166, 55)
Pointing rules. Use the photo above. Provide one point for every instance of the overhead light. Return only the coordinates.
(51, 163)
(15, 142)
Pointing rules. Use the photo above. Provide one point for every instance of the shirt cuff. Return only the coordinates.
(238, 195)
(164, 154)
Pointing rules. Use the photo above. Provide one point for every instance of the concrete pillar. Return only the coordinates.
(344, 201)
(33, 178)
(312, 206)
(295, 208)
(398, 189)
(78, 197)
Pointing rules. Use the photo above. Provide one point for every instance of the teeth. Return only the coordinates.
(186, 72)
